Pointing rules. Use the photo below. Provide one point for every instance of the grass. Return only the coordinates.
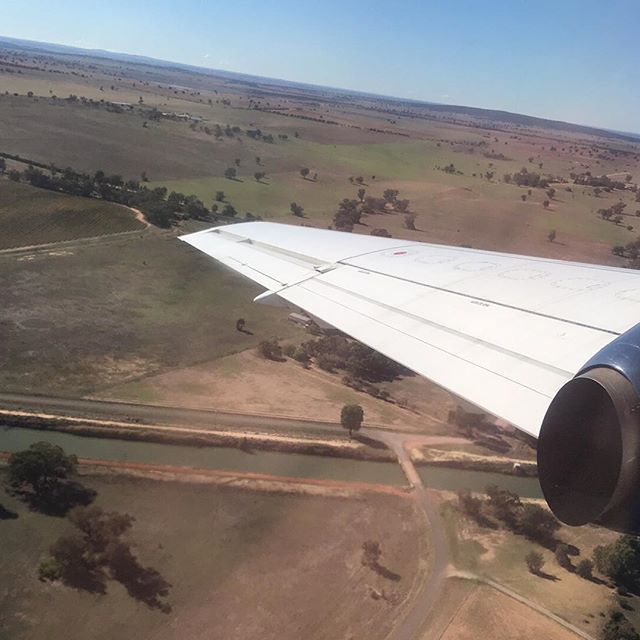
(86, 318)
(237, 561)
(31, 216)
(499, 555)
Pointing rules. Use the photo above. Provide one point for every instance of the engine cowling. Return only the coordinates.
(589, 443)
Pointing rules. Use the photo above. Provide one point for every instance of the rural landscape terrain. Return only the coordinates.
(178, 461)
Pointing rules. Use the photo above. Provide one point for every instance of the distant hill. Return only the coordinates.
(490, 115)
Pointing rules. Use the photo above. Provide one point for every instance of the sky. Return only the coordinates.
(573, 60)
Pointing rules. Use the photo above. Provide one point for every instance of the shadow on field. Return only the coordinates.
(547, 576)
(382, 571)
(59, 498)
(6, 514)
(144, 584)
(370, 442)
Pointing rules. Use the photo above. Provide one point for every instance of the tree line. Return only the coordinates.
(159, 207)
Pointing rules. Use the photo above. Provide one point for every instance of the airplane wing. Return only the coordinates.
(502, 331)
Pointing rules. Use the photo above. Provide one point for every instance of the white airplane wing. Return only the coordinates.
(502, 331)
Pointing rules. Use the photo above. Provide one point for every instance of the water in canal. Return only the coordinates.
(444, 478)
(267, 462)
(226, 459)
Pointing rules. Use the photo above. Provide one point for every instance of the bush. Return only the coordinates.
(49, 570)
(289, 350)
(270, 350)
(534, 561)
(301, 355)
(585, 569)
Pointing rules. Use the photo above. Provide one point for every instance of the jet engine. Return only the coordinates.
(589, 443)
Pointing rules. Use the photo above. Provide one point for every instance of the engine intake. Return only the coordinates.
(589, 443)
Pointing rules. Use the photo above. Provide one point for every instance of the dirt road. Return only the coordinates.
(412, 626)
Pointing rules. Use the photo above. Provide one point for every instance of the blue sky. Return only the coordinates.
(575, 60)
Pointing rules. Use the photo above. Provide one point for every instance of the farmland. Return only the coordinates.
(243, 547)
(118, 311)
(30, 216)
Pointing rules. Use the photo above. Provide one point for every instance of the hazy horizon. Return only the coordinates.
(575, 63)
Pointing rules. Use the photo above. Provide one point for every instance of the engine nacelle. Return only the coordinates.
(589, 443)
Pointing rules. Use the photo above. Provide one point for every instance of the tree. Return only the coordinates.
(371, 553)
(259, 175)
(537, 523)
(297, 210)
(258, 160)
(410, 221)
(562, 557)
(585, 569)
(381, 233)
(552, 235)
(219, 196)
(551, 192)
(304, 172)
(361, 193)
(3, 165)
(620, 561)
(401, 205)
(351, 417)
(237, 162)
(545, 204)
(40, 468)
(230, 173)
(240, 324)
(390, 195)
(534, 561)
(229, 211)
(523, 197)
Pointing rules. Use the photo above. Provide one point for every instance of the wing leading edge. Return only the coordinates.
(502, 331)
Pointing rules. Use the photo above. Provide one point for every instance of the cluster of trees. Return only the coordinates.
(631, 251)
(603, 182)
(96, 550)
(349, 210)
(617, 627)
(505, 507)
(348, 214)
(336, 352)
(613, 213)
(620, 561)
(450, 168)
(526, 178)
(160, 208)
(362, 366)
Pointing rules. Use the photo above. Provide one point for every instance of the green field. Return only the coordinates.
(240, 563)
(30, 216)
(84, 318)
